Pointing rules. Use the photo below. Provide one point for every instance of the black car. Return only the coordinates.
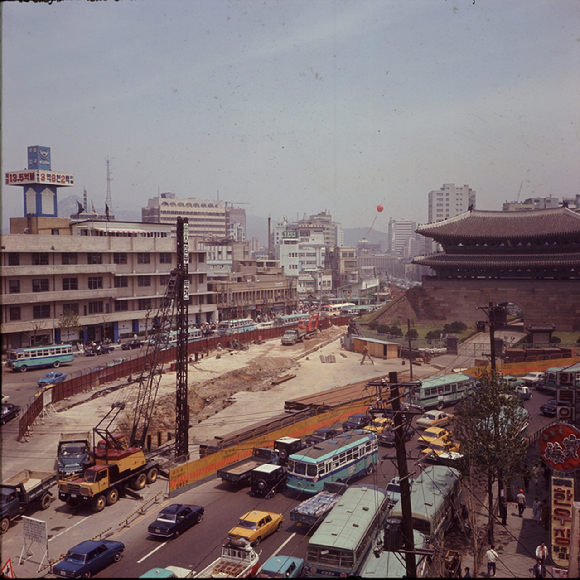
(9, 411)
(357, 421)
(320, 435)
(550, 408)
(176, 519)
(387, 437)
(267, 479)
(133, 344)
(88, 558)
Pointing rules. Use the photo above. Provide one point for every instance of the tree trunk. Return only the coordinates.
(490, 508)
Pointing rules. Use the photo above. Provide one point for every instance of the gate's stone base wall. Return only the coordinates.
(541, 301)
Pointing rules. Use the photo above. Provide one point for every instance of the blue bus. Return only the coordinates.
(341, 544)
(342, 458)
(286, 319)
(439, 392)
(37, 357)
(234, 326)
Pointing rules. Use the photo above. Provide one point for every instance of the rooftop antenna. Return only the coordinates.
(520, 191)
(108, 200)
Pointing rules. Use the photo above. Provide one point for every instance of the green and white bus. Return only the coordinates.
(435, 500)
(340, 545)
(439, 392)
(36, 357)
(342, 458)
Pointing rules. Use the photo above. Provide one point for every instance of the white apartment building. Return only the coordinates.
(113, 275)
(207, 218)
(399, 233)
(449, 201)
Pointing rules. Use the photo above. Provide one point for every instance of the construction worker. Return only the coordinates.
(366, 355)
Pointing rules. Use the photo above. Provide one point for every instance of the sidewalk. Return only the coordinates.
(516, 542)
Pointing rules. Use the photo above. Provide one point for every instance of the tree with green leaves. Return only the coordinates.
(69, 322)
(490, 424)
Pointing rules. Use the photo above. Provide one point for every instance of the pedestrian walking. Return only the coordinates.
(536, 507)
(366, 355)
(544, 514)
(537, 569)
(503, 510)
(526, 476)
(465, 518)
(541, 555)
(467, 573)
(492, 557)
(521, 499)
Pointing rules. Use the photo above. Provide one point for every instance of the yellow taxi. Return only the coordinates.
(439, 446)
(255, 526)
(378, 425)
(433, 433)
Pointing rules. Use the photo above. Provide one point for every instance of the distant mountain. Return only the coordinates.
(68, 206)
(352, 236)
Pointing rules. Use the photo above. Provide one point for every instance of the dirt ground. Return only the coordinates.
(208, 396)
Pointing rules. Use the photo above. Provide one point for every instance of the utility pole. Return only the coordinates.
(407, 522)
(495, 314)
(410, 350)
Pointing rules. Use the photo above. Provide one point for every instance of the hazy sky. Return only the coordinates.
(296, 106)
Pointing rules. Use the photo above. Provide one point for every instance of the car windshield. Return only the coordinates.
(169, 518)
(394, 487)
(247, 525)
(76, 557)
(73, 450)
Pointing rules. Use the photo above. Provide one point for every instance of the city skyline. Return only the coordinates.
(296, 107)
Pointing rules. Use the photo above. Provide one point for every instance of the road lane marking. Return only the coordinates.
(278, 550)
(68, 529)
(152, 552)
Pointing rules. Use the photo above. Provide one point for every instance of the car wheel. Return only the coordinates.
(112, 496)
(279, 527)
(262, 485)
(139, 482)
(99, 503)
(199, 518)
(56, 364)
(152, 475)
(4, 525)
(117, 557)
(176, 535)
(371, 469)
(440, 405)
(283, 454)
(87, 574)
(72, 503)
(23, 368)
(257, 541)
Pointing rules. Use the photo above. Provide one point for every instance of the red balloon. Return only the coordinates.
(380, 208)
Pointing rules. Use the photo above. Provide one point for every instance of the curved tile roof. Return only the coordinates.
(510, 261)
(505, 224)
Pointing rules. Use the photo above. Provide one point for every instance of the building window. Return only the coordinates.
(15, 313)
(143, 280)
(119, 257)
(13, 259)
(165, 257)
(95, 282)
(94, 258)
(120, 282)
(69, 259)
(96, 307)
(143, 258)
(41, 311)
(121, 306)
(145, 304)
(14, 286)
(39, 259)
(163, 280)
(40, 285)
(54, 232)
(70, 308)
(70, 284)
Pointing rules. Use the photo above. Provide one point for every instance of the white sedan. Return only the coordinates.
(434, 419)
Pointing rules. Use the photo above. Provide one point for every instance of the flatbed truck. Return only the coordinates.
(239, 473)
(312, 511)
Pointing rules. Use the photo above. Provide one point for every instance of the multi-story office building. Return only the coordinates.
(113, 275)
(450, 201)
(207, 218)
(342, 262)
(542, 203)
(399, 233)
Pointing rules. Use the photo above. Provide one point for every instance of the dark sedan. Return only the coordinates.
(550, 408)
(87, 558)
(133, 344)
(320, 435)
(357, 421)
(9, 411)
(388, 437)
(176, 519)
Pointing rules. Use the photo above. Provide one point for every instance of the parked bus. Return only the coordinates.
(36, 357)
(439, 392)
(286, 319)
(435, 500)
(233, 326)
(342, 458)
(563, 377)
(341, 543)
(332, 310)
